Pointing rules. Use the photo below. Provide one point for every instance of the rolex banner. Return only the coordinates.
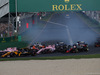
(54, 5)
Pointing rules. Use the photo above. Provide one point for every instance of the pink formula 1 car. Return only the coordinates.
(8, 52)
(48, 49)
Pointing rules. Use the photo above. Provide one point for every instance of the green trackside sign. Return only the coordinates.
(54, 5)
(19, 38)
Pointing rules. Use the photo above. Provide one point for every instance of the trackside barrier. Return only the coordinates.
(9, 39)
(92, 20)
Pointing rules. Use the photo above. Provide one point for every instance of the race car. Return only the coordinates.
(67, 16)
(46, 50)
(9, 52)
(97, 43)
(61, 47)
(14, 52)
(37, 46)
(26, 52)
(72, 49)
(82, 46)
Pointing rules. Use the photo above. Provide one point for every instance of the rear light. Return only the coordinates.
(67, 51)
(27, 25)
(85, 45)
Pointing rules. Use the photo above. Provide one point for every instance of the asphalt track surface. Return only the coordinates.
(67, 27)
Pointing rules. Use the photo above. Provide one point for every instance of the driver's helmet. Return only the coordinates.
(82, 42)
(77, 43)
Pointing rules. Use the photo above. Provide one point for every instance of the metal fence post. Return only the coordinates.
(16, 13)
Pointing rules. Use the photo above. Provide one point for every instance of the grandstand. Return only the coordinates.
(4, 7)
(4, 10)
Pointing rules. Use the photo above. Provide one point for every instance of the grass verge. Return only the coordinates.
(52, 58)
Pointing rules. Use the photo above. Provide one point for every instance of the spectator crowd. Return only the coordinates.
(4, 30)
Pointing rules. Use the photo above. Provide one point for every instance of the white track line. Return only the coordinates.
(68, 32)
(40, 32)
(69, 36)
(67, 17)
(56, 23)
(37, 36)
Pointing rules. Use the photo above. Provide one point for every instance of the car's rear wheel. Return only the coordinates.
(76, 50)
(8, 56)
(87, 49)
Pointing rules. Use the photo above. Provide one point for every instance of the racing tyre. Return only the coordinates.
(86, 49)
(76, 50)
(8, 56)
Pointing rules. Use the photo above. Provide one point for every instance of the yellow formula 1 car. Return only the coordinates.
(26, 52)
(11, 52)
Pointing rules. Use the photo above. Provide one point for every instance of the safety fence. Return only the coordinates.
(10, 39)
(89, 18)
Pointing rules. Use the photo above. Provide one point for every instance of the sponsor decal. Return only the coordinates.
(69, 7)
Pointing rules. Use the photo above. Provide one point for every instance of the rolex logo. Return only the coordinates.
(66, 1)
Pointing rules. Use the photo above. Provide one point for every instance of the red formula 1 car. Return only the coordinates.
(72, 49)
(78, 47)
(97, 43)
